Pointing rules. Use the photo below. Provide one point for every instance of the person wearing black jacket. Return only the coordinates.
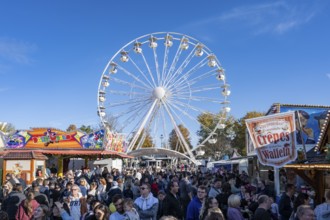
(286, 202)
(14, 199)
(171, 204)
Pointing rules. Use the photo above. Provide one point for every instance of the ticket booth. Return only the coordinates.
(28, 164)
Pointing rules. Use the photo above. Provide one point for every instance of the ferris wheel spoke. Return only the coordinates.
(132, 85)
(130, 101)
(186, 76)
(156, 64)
(178, 132)
(139, 108)
(148, 126)
(149, 71)
(134, 77)
(195, 80)
(141, 72)
(126, 93)
(164, 63)
(129, 110)
(181, 67)
(198, 98)
(173, 65)
(187, 106)
(189, 115)
(132, 143)
(182, 91)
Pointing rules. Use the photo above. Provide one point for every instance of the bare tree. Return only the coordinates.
(112, 123)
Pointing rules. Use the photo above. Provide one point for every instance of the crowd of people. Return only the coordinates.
(144, 194)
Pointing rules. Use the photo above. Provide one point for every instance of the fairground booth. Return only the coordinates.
(28, 152)
(293, 139)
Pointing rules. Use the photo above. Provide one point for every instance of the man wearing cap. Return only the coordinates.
(172, 205)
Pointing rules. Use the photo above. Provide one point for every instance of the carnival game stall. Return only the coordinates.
(27, 151)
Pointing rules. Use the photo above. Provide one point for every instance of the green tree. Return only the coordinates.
(174, 142)
(87, 129)
(71, 127)
(147, 142)
(240, 130)
(222, 138)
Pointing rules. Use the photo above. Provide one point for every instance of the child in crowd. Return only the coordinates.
(130, 212)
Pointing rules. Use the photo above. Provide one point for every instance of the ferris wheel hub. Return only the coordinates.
(159, 92)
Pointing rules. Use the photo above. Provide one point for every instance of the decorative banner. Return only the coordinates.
(43, 137)
(93, 140)
(18, 139)
(115, 141)
(274, 138)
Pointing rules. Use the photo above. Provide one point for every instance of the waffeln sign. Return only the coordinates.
(274, 138)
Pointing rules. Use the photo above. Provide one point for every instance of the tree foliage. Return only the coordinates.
(147, 142)
(239, 142)
(71, 127)
(233, 136)
(174, 142)
(87, 129)
(223, 137)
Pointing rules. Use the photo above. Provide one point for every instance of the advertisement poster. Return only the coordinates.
(311, 120)
(273, 137)
(115, 142)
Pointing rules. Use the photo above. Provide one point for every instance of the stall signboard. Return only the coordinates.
(311, 118)
(45, 138)
(54, 138)
(273, 137)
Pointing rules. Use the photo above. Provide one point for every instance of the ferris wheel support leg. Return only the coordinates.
(137, 134)
(178, 132)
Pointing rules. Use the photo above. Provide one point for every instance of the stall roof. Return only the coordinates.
(24, 155)
(70, 152)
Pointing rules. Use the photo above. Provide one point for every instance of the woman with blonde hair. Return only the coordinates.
(234, 212)
(83, 187)
(26, 208)
(101, 190)
(7, 188)
(214, 214)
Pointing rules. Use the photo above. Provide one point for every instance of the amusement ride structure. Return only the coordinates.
(156, 88)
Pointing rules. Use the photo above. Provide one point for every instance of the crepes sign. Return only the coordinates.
(274, 138)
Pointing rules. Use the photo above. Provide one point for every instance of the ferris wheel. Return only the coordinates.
(157, 86)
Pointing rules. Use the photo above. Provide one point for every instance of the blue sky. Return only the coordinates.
(52, 53)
